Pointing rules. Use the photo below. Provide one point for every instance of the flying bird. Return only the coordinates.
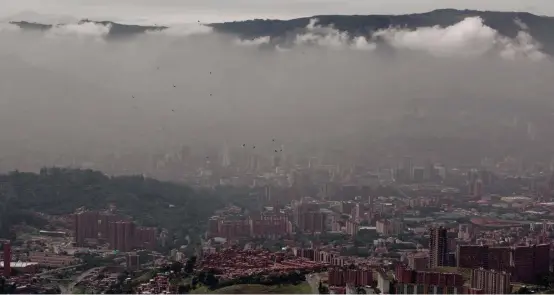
(174, 86)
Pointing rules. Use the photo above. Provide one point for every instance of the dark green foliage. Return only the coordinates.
(292, 278)
(176, 267)
(184, 289)
(189, 266)
(523, 290)
(211, 280)
(150, 202)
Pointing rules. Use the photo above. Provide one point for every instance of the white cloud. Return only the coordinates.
(361, 43)
(86, 29)
(522, 47)
(330, 37)
(184, 30)
(254, 42)
(468, 38)
(521, 24)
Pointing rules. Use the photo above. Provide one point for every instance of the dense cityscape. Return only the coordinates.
(418, 227)
(334, 154)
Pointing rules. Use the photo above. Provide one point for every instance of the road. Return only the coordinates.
(57, 270)
(79, 279)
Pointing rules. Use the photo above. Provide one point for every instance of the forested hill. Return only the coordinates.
(506, 23)
(148, 201)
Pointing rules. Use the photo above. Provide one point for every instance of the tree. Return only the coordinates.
(211, 280)
(184, 289)
(322, 289)
(61, 191)
(523, 290)
(176, 267)
(195, 281)
(189, 266)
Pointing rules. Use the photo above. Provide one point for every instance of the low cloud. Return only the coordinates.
(183, 30)
(254, 42)
(7, 27)
(329, 37)
(85, 29)
(468, 38)
(522, 47)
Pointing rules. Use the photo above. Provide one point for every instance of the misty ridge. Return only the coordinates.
(92, 87)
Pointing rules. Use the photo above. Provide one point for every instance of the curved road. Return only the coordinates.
(71, 286)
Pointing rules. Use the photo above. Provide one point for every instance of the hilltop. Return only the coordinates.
(506, 23)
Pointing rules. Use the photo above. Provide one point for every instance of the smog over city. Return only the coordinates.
(91, 88)
(283, 147)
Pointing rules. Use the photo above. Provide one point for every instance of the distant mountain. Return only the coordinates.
(506, 23)
(358, 25)
(116, 29)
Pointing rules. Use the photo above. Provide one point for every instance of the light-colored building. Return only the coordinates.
(491, 281)
(389, 227)
(51, 259)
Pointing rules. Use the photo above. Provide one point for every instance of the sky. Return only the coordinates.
(179, 11)
(70, 91)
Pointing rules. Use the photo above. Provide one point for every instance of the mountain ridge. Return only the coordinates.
(508, 24)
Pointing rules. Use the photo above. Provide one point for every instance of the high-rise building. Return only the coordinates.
(491, 281)
(418, 174)
(253, 163)
(408, 167)
(478, 188)
(312, 222)
(146, 237)
(355, 277)
(472, 256)
(7, 248)
(389, 227)
(225, 156)
(86, 227)
(122, 235)
(524, 263)
(438, 247)
(104, 220)
(267, 193)
(427, 282)
(352, 227)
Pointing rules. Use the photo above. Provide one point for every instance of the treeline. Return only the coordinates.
(150, 202)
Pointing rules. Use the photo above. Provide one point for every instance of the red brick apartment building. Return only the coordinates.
(428, 282)
(340, 277)
(491, 281)
(270, 226)
(122, 235)
(524, 263)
